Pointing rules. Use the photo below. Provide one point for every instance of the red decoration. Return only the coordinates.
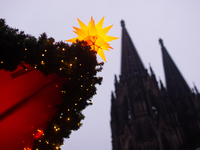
(28, 102)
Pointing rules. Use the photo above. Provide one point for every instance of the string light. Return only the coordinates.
(47, 142)
(70, 65)
(42, 54)
(75, 57)
(75, 103)
(57, 147)
(56, 128)
(42, 62)
(25, 49)
(1, 62)
(45, 50)
(60, 68)
(68, 109)
(62, 60)
(35, 66)
(68, 119)
(79, 64)
(63, 49)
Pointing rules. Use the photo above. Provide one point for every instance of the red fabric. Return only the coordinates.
(27, 104)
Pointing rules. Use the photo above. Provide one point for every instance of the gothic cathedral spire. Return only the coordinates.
(176, 85)
(130, 60)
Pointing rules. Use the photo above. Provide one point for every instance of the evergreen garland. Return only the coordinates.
(76, 62)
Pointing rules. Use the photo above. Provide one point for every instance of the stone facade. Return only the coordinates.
(145, 115)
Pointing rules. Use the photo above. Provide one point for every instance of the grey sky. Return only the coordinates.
(176, 22)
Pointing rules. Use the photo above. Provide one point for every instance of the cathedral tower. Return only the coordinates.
(146, 117)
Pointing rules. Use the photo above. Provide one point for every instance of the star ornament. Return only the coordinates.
(94, 35)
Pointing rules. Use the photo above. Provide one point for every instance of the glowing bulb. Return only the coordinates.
(45, 50)
(62, 60)
(1, 62)
(75, 103)
(68, 109)
(63, 49)
(68, 119)
(25, 49)
(70, 65)
(75, 57)
(60, 68)
(42, 62)
(79, 64)
(42, 54)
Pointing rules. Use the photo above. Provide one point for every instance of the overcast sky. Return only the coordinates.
(176, 22)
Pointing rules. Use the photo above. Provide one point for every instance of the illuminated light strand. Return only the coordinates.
(42, 54)
(45, 50)
(1, 62)
(25, 49)
(42, 62)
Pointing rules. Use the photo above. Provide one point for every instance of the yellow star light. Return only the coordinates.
(94, 35)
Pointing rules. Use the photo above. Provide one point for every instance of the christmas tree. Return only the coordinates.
(75, 64)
